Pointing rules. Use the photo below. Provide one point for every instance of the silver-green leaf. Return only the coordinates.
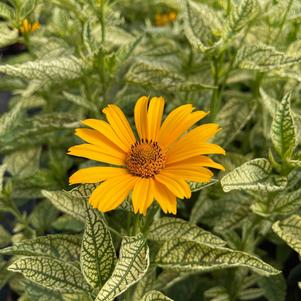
(58, 69)
(290, 231)
(50, 273)
(254, 175)
(240, 16)
(130, 268)
(188, 256)
(97, 253)
(155, 296)
(283, 130)
(264, 58)
(62, 246)
(167, 228)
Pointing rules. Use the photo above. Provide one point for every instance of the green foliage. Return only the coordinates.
(97, 252)
(253, 175)
(238, 60)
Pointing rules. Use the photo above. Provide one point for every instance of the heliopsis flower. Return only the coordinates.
(164, 19)
(28, 27)
(155, 165)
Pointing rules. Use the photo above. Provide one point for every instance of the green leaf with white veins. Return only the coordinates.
(68, 202)
(23, 163)
(283, 130)
(172, 228)
(240, 15)
(97, 253)
(51, 273)
(290, 231)
(201, 25)
(254, 175)
(130, 268)
(65, 68)
(155, 296)
(188, 256)
(62, 246)
(264, 58)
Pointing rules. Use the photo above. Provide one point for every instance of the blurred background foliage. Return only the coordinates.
(237, 59)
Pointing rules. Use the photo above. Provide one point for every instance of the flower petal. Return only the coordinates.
(196, 174)
(154, 117)
(193, 150)
(95, 174)
(105, 153)
(177, 185)
(177, 123)
(120, 124)
(140, 113)
(166, 199)
(143, 195)
(106, 130)
(112, 192)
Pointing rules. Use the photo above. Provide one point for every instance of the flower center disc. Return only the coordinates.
(145, 159)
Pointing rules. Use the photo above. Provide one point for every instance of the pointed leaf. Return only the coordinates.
(274, 287)
(51, 273)
(167, 228)
(130, 268)
(240, 15)
(253, 175)
(67, 202)
(290, 231)
(187, 256)
(62, 246)
(283, 131)
(196, 186)
(58, 69)
(264, 58)
(201, 25)
(23, 163)
(155, 296)
(97, 254)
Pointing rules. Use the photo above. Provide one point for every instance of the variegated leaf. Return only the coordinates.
(130, 268)
(67, 202)
(196, 186)
(175, 228)
(201, 25)
(188, 256)
(23, 163)
(253, 175)
(51, 273)
(240, 15)
(155, 296)
(290, 231)
(286, 203)
(58, 69)
(97, 253)
(62, 246)
(283, 131)
(264, 58)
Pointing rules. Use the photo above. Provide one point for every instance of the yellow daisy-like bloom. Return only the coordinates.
(157, 165)
(28, 27)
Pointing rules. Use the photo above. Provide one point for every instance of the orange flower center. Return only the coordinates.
(145, 159)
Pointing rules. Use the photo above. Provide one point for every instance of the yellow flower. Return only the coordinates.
(164, 19)
(157, 165)
(28, 27)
